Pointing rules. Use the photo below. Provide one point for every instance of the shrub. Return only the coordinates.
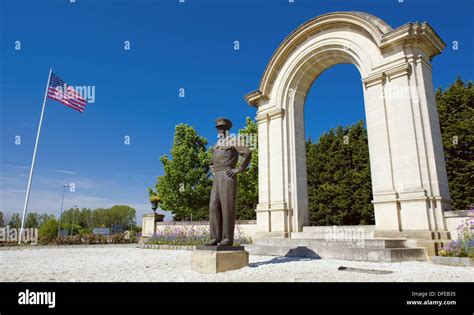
(88, 238)
(464, 245)
(68, 240)
(85, 231)
(48, 232)
(155, 199)
(94, 239)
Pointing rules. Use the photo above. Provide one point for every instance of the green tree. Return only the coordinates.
(117, 215)
(85, 218)
(48, 230)
(32, 220)
(100, 218)
(361, 184)
(339, 184)
(42, 218)
(456, 118)
(247, 182)
(70, 217)
(122, 215)
(15, 221)
(2, 219)
(186, 185)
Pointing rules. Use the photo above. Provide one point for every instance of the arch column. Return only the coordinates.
(273, 213)
(385, 198)
(419, 194)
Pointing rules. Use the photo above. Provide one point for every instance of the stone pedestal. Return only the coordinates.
(149, 223)
(214, 259)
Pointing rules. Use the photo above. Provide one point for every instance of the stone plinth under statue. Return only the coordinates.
(214, 259)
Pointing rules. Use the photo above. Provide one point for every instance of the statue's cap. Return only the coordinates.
(221, 121)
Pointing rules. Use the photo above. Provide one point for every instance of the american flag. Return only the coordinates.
(60, 91)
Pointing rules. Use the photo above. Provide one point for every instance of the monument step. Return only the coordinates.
(432, 246)
(343, 253)
(342, 243)
(416, 235)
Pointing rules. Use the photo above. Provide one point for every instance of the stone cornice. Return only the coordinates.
(398, 71)
(387, 74)
(420, 33)
(255, 98)
(270, 114)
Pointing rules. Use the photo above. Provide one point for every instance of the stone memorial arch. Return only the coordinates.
(410, 186)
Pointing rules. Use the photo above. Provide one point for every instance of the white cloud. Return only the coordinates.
(65, 172)
(17, 166)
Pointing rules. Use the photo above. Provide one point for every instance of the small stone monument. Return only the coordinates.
(220, 254)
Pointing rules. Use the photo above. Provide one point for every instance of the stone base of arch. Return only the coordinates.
(273, 221)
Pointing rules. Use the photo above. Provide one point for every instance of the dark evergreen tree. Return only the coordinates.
(339, 184)
(456, 118)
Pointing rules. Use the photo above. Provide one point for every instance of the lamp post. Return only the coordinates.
(62, 202)
(72, 224)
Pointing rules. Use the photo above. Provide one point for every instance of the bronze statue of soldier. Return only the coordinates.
(224, 188)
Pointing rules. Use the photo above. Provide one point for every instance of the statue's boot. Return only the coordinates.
(225, 242)
(212, 243)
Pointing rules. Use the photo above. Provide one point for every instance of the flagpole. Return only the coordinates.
(33, 160)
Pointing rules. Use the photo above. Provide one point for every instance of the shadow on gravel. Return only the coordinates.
(280, 260)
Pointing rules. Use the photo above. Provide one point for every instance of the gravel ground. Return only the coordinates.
(129, 263)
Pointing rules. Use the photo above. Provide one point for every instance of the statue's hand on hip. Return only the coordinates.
(231, 172)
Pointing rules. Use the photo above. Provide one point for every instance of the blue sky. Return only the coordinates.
(172, 46)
